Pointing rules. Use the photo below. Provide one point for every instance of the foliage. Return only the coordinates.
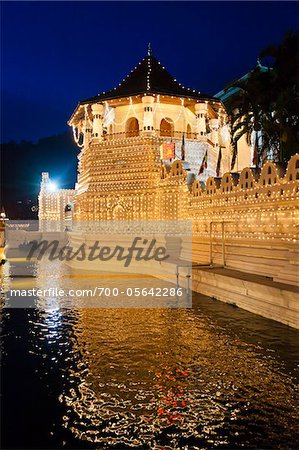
(266, 101)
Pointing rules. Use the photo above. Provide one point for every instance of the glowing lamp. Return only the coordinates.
(52, 186)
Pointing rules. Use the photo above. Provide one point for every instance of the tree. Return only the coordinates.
(265, 103)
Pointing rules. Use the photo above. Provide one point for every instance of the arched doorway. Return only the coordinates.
(166, 127)
(110, 132)
(118, 212)
(132, 127)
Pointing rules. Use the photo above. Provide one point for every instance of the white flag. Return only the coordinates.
(109, 115)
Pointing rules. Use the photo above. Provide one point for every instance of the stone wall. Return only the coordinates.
(248, 221)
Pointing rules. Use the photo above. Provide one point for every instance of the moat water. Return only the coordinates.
(210, 377)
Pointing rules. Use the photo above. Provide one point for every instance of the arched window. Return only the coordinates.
(132, 127)
(189, 131)
(166, 127)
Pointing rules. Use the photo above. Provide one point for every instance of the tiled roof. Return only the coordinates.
(229, 91)
(148, 77)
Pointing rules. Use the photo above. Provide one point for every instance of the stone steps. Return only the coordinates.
(264, 297)
(277, 259)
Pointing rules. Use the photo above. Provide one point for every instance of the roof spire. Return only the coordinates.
(149, 49)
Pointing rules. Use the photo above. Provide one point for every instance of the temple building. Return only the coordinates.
(132, 133)
(55, 205)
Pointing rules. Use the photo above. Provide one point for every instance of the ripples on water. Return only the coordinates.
(208, 377)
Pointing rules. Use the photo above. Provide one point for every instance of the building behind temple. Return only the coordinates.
(55, 205)
(244, 150)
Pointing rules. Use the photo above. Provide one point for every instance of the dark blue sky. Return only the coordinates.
(56, 53)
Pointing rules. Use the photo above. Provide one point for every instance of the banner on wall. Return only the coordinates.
(167, 150)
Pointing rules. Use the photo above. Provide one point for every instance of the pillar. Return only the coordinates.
(214, 125)
(97, 128)
(201, 110)
(148, 114)
(87, 133)
(45, 180)
(222, 131)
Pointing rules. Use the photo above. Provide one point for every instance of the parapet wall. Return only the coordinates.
(52, 204)
(248, 221)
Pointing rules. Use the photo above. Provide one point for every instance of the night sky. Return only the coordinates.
(56, 53)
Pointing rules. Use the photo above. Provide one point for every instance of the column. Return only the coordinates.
(148, 114)
(222, 131)
(201, 110)
(87, 133)
(97, 129)
(214, 125)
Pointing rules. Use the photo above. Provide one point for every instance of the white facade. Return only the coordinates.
(55, 205)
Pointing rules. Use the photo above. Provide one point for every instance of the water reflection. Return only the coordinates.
(210, 377)
(167, 378)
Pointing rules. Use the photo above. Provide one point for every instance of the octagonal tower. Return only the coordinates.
(121, 132)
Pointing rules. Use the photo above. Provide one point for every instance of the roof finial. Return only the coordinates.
(258, 63)
(149, 49)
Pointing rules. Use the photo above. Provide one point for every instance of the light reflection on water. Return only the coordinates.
(208, 377)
